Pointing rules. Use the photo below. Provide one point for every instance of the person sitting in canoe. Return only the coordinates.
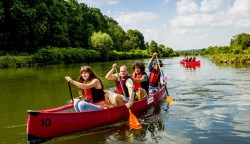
(155, 75)
(185, 59)
(140, 79)
(124, 88)
(190, 59)
(90, 88)
(194, 59)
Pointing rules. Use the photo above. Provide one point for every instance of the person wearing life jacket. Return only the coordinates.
(91, 90)
(126, 84)
(140, 79)
(155, 75)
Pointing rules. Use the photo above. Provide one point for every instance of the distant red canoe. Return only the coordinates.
(196, 63)
(47, 124)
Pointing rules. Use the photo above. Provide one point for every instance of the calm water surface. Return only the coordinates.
(212, 104)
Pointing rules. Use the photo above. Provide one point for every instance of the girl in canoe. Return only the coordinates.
(91, 90)
(140, 79)
(156, 75)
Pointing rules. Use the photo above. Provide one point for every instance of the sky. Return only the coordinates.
(180, 24)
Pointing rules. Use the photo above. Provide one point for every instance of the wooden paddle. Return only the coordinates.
(70, 92)
(169, 99)
(133, 121)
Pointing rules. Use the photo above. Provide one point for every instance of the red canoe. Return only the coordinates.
(196, 63)
(47, 124)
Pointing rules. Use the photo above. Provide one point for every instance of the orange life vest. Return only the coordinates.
(154, 77)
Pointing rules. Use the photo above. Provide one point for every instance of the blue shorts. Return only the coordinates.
(152, 89)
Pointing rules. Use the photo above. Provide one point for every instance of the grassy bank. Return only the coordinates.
(231, 58)
(67, 56)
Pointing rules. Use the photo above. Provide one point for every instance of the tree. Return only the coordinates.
(153, 46)
(116, 32)
(240, 43)
(101, 42)
(134, 40)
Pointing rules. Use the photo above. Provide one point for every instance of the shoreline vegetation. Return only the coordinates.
(55, 56)
(66, 56)
(237, 53)
(231, 58)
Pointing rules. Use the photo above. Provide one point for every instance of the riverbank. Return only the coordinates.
(231, 58)
(67, 56)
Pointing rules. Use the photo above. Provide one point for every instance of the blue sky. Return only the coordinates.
(180, 24)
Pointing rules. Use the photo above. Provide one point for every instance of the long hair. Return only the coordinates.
(92, 76)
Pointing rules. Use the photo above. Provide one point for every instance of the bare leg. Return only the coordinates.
(141, 93)
(119, 100)
(107, 102)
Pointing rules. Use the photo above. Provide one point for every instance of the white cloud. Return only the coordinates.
(186, 7)
(243, 23)
(213, 5)
(98, 3)
(240, 14)
(241, 8)
(129, 19)
(151, 34)
(211, 13)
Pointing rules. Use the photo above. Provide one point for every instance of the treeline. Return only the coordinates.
(28, 26)
(237, 52)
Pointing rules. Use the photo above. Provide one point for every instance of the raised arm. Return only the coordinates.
(150, 64)
(110, 75)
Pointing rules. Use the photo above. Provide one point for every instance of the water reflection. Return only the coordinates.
(190, 67)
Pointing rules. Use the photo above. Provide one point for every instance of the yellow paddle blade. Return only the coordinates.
(133, 121)
(169, 99)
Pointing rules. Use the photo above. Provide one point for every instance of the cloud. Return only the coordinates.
(211, 6)
(211, 13)
(186, 7)
(98, 3)
(151, 34)
(127, 20)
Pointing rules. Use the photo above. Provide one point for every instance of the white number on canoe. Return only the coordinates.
(150, 100)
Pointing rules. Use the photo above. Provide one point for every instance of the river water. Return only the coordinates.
(212, 104)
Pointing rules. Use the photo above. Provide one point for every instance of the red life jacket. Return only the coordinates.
(119, 88)
(143, 84)
(154, 77)
(95, 95)
(137, 84)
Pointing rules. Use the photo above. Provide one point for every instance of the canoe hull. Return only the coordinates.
(47, 124)
(196, 63)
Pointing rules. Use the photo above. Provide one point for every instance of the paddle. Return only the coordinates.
(169, 99)
(70, 92)
(133, 121)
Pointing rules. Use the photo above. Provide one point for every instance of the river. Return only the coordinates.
(212, 104)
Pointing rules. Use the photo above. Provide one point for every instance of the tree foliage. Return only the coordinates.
(28, 26)
(134, 40)
(153, 46)
(101, 42)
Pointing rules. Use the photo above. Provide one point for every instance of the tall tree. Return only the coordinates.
(134, 40)
(101, 42)
(153, 46)
(116, 32)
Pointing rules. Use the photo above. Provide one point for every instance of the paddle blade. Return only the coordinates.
(169, 99)
(133, 121)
